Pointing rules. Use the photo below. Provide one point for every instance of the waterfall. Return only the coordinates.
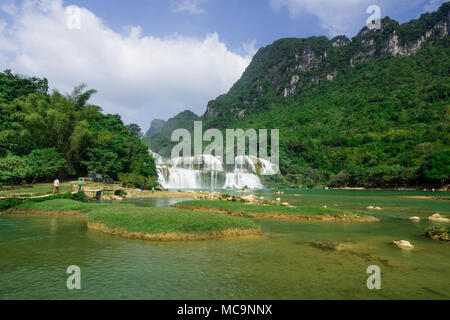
(241, 180)
(207, 171)
(158, 159)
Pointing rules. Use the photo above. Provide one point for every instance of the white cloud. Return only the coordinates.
(339, 17)
(432, 5)
(335, 16)
(141, 77)
(191, 6)
(249, 48)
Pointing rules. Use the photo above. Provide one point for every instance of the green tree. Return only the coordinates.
(342, 179)
(13, 86)
(33, 122)
(13, 169)
(134, 130)
(44, 163)
(103, 162)
(437, 166)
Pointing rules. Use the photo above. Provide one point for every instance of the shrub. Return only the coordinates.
(342, 179)
(120, 193)
(6, 204)
(138, 181)
(80, 196)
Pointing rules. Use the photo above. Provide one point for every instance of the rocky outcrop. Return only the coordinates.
(437, 233)
(155, 127)
(438, 218)
(340, 41)
(289, 67)
(396, 48)
(403, 244)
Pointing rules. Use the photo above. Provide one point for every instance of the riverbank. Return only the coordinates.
(274, 211)
(35, 190)
(46, 189)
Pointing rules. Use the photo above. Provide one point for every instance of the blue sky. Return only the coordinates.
(237, 21)
(154, 58)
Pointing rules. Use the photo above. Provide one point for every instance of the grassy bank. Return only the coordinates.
(37, 189)
(169, 224)
(274, 212)
(56, 207)
(130, 221)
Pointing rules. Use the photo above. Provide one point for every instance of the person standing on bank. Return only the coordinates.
(80, 185)
(56, 186)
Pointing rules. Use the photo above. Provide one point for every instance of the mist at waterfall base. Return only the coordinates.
(208, 172)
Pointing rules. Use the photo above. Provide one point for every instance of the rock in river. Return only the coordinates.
(403, 244)
(438, 218)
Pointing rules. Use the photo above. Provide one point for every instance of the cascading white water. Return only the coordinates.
(241, 180)
(204, 162)
(207, 171)
(158, 159)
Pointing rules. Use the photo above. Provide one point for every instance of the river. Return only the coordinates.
(36, 251)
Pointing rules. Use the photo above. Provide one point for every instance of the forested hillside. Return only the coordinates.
(44, 136)
(158, 136)
(372, 111)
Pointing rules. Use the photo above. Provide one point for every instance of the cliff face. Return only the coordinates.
(289, 67)
(160, 131)
(155, 127)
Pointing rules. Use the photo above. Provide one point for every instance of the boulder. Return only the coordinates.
(370, 208)
(438, 218)
(250, 198)
(403, 244)
(285, 204)
(414, 218)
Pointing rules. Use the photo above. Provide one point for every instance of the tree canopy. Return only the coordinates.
(44, 134)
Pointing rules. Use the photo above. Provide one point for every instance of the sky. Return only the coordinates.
(151, 59)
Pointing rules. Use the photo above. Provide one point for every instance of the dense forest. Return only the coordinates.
(372, 111)
(47, 135)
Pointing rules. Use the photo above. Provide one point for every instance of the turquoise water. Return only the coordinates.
(36, 251)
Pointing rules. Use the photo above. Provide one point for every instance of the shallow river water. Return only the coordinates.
(36, 251)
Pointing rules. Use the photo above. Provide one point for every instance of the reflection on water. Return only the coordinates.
(35, 252)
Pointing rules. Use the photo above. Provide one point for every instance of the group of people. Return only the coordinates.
(56, 185)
